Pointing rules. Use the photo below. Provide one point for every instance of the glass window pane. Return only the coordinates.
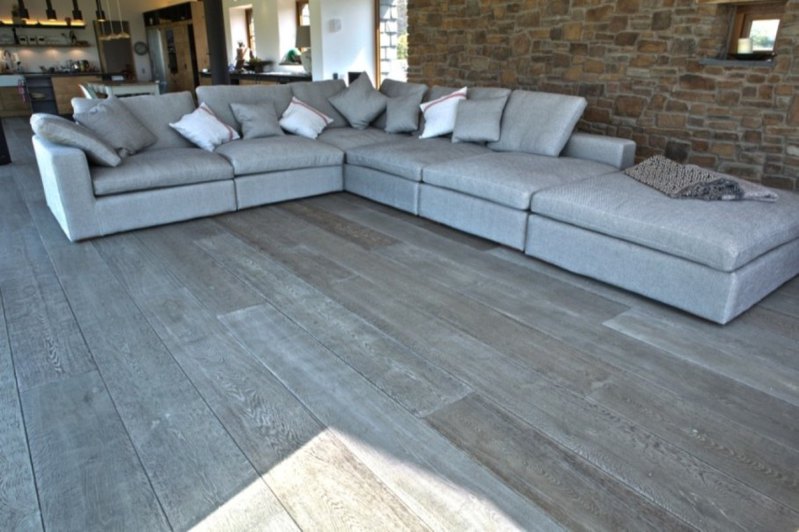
(763, 34)
(393, 36)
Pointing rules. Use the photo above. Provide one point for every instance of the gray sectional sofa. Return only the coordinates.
(543, 189)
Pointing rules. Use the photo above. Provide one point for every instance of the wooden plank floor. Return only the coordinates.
(332, 363)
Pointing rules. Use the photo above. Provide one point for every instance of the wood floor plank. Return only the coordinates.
(469, 315)
(760, 373)
(358, 234)
(392, 367)
(19, 506)
(217, 289)
(436, 481)
(600, 436)
(88, 474)
(44, 337)
(444, 259)
(578, 494)
(269, 424)
(326, 487)
(539, 301)
(741, 453)
(193, 463)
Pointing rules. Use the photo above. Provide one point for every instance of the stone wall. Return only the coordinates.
(638, 64)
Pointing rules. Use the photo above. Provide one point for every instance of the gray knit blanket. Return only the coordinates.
(689, 181)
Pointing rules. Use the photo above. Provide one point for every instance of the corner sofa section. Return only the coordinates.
(541, 188)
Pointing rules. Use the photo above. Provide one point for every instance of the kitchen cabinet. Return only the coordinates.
(12, 103)
(67, 87)
(178, 44)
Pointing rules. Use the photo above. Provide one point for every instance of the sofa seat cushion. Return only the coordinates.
(274, 154)
(161, 168)
(510, 179)
(348, 138)
(406, 157)
(723, 235)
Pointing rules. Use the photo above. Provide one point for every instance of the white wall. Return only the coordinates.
(348, 49)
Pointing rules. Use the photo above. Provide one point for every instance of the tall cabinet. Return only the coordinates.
(178, 44)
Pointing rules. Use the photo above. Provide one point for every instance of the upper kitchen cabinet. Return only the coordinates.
(178, 45)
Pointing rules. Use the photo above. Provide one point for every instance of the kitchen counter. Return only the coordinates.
(58, 74)
(264, 77)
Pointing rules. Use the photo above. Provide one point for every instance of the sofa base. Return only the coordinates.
(274, 187)
(381, 187)
(712, 294)
(136, 210)
(479, 217)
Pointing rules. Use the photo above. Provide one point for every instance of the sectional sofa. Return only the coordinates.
(541, 188)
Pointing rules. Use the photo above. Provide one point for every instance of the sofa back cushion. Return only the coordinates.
(155, 112)
(538, 122)
(316, 94)
(219, 97)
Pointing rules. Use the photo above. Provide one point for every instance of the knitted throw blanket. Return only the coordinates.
(689, 181)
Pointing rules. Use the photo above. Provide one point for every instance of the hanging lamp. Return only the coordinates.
(50, 12)
(23, 11)
(122, 33)
(76, 12)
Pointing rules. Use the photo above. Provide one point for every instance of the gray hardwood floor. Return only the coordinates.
(335, 364)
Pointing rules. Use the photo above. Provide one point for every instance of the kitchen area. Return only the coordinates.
(54, 50)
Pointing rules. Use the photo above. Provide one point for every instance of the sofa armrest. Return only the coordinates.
(68, 188)
(609, 150)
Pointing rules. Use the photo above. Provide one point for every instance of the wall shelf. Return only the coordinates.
(25, 46)
(43, 26)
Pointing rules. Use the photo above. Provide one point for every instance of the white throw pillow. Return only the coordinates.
(440, 114)
(302, 119)
(204, 129)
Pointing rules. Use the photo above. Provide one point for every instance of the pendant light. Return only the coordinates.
(76, 12)
(50, 11)
(99, 14)
(23, 11)
(122, 33)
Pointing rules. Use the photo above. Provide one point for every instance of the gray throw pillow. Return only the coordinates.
(479, 120)
(62, 131)
(112, 121)
(403, 103)
(360, 103)
(402, 113)
(257, 120)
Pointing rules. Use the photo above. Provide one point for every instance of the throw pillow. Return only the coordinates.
(62, 131)
(440, 114)
(302, 119)
(360, 103)
(204, 129)
(257, 120)
(404, 100)
(402, 113)
(478, 120)
(112, 122)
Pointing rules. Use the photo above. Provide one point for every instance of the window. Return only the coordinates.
(758, 22)
(303, 13)
(250, 25)
(392, 40)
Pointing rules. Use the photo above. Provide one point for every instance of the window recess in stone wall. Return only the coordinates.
(753, 33)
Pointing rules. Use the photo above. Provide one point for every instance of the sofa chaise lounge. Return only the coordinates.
(541, 188)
